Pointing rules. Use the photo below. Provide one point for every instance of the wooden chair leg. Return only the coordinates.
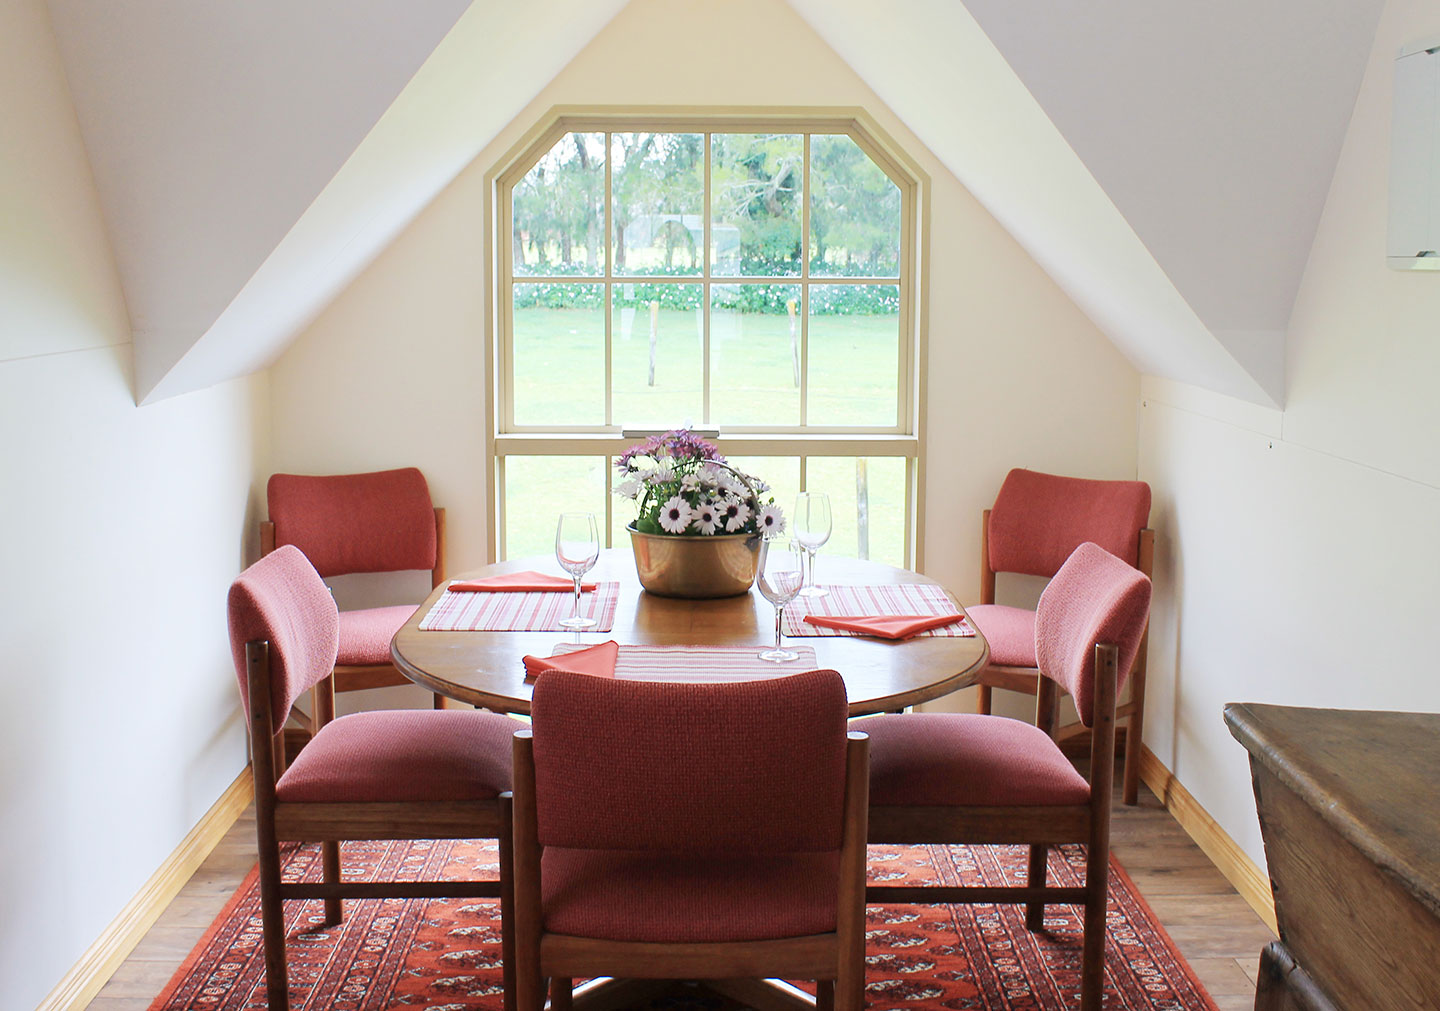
(982, 699)
(1092, 961)
(824, 995)
(272, 921)
(507, 900)
(330, 861)
(1035, 911)
(562, 990)
(1133, 729)
(440, 701)
(529, 988)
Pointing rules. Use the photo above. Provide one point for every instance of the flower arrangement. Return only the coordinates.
(683, 486)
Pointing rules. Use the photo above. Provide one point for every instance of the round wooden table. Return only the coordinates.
(486, 668)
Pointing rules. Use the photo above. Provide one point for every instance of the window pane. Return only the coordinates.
(559, 354)
(854, 355)
(538, 489)
(655, 341)
(755, 182)
(659, 217)
(755, 354)
(854, 212)
(867, 506)
(558, 210)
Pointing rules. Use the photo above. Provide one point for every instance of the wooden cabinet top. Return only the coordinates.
(1373, 776)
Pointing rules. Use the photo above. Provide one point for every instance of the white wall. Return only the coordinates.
(124, 526)
(1298, 553)
(1017, 375)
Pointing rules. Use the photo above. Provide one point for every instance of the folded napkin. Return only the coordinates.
(890, 626)
(518, 582)
(597, 660)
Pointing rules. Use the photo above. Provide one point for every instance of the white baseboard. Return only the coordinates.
(1249, 880)
(101, 959)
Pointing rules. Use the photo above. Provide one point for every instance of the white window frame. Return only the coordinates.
(905, 439)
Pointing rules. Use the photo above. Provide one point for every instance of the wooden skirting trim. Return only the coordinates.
(116, 941)
(1250, 881)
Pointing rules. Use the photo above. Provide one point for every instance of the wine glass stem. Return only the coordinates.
(810, 552)
(778, 611)
(577, 596)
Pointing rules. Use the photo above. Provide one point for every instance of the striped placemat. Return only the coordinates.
(891, 598)
(700, 663)
(520, 612)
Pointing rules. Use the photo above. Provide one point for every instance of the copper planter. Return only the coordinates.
(696, 567)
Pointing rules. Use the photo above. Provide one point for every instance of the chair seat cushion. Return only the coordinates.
(365, 635)
(403, 755)
(623, 895)
(962, 759)
(1010, 631)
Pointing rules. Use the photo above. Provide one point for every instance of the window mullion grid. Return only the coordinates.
(610, 502)
(609, 279)
(705, 268)
(805, 291)
(802, 443)
(804, 299)
(502, 513)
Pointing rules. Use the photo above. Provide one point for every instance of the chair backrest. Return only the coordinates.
(379, 522)
(1094, 598)
(745, 767)
(281, 600)
(1039, 519)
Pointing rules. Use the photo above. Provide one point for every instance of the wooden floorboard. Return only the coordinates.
(1217, 932)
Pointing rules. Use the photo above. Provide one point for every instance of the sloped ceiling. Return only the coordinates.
(251, 157)
(1165, 163)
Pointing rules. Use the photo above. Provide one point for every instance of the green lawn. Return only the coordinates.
(559, 364)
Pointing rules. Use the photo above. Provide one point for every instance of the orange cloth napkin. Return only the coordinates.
(895, 626)
(598, 661)
(519, 582)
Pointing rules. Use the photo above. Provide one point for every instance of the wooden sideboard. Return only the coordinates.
(1349, 807)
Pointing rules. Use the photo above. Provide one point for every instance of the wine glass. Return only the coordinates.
(577, 548)
(779, 579)
(811, 525)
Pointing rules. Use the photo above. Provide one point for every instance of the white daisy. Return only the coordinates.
(689, 482)
(675, 515)
(629, 488)
(706, 517)
(663, 472)
(771, 521)
(735, 513)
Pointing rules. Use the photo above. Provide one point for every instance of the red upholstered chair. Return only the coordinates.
(1036, 522)
(962, 778)
(403, 774)
(689, 831)
(349, 523)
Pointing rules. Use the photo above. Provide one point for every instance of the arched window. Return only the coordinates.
(751, 277)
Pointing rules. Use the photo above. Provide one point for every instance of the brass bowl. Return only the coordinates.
(696, 568)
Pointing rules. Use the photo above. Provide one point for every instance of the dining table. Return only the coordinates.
(486, 668)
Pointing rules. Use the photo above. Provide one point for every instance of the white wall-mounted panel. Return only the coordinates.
(1414, 235)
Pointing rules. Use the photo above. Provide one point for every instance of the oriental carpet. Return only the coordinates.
(444, 954)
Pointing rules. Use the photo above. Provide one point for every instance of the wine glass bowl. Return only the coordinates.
(577, 548)
(779, 579)
(811, 525)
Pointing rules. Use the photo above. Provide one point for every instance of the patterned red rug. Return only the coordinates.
(444, 954)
